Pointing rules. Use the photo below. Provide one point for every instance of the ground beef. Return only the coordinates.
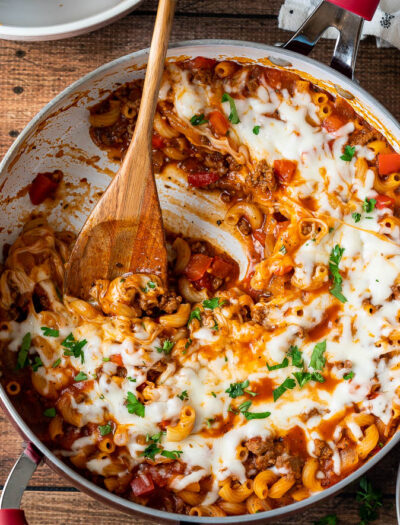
(216, 162)
(260, 314)
(170, 302)
(201, 247)
(258, 446)
(262, 177)
(396, 291)
(363, 136)
(294, 464)
(322, 450)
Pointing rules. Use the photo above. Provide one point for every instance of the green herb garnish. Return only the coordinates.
(256, 130)
(50, 332)
(330, 519)
(194, 314)
(334, 260)
(233, 115)
(134, 406)
(356, 216)
(50, 412)
(368, 205)
(284, 364)
(166, 347)
(317, 358)
(36, 364)
(296, 355)
(238, 389)
(22, 359)
(80, 377)
(288, 384)
(56, 363)
(105, 429)
(150, 451)
(172, 454)
(197, 120)
(184, 396)
(73, 347)
(370, 499)
(213, 303)
(348, 376)
(349, 152)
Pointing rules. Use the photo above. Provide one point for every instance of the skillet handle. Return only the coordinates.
(349, 23)
(17, 481)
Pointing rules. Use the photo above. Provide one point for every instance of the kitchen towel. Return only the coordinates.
(385, 25)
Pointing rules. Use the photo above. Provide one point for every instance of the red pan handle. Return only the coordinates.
(12, 517)
(363, 8)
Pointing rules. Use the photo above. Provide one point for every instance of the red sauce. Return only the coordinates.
(264, 389)
(324, 327)
(296, 440)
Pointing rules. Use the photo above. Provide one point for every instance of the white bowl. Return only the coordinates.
(56, 19)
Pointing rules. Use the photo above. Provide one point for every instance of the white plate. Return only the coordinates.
(55, 19)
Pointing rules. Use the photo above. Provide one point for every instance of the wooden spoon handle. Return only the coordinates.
(155, 64)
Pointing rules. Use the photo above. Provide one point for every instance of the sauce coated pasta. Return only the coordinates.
(223, 393)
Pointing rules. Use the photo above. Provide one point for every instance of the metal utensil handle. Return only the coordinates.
(331, 13)
(17, 481)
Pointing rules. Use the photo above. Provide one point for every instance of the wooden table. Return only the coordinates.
(33, 73)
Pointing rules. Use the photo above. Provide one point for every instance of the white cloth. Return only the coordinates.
(385, 25)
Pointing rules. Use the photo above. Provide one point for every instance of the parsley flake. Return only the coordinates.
(105, 429)
(233, 115)
(194, 314)
(334, 260)
(183, 396)
(283, 250)
(56, 363)
(288, 384)
(197, 120)
(370, 499)
(172, 454)
(166, 347)
(368, 205)
(256, 130)
(317, 359)
(80, 377)
(73, 347)
(50, 412)
(150, 451)
(284, 364)
(22, 359)
(238, 389)
(49, 332)
(349, 152)
(134, 406)
(37, 364)
(213, 303)
(348, 376)
(296, 355)
(356, 216)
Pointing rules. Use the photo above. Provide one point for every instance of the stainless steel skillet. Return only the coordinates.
(65, 120)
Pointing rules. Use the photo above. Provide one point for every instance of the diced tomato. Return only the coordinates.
(43, 186)
(388, 163)
(117, 359)
(284, 170)
(202, 63)
(199, 179)
(218, 122)
(157, 141)
(197, 266)
(260, 236)
(384, 201)
(204, 282)
(220, 268)
(142, 484)
(332, 123)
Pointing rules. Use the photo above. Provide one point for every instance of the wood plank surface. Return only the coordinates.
(33, 73)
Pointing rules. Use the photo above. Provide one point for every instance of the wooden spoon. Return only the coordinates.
(124, 233)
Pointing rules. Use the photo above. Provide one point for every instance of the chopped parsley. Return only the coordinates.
(370, 499)
(22, 359)
(317, 358)
(210, 421)
(50, 412)
(213, 303)
(368, 205)
(284, 364)
(132, 379)
(150, 285)
(334, 260)
(238, 389)
(105, 359)
(73, 347)
(348, 376)
(256, 415)
(50, 332)
(172, 454)
(356, 216)
(288, 384)
(56, 363)
(197, 120)
(151, 450)
(283, 250)
(213, 394)
(134, 406)
(37, 364)
(233, 115)
(297, 356)
(349, 152)
(256, 130)
(105, 429)
(80, 377)
(303, 378)
(166, 347)
(156, 438)
(188, 343)
(215, 327)
(194, 314)
(183, 396)
(330, 519)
